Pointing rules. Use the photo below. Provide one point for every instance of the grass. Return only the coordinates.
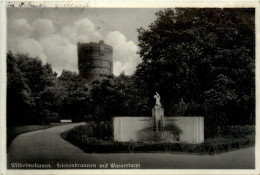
(13, 131)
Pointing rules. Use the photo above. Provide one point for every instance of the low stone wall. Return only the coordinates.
(128, 128)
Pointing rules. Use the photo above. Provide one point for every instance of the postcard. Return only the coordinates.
(113, 87)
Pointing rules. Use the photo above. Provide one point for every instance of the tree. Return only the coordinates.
(19, 97)
(27, 78)
(205, 57)
(51, 100)
(136, 99)
(75, 96)
(117, 96)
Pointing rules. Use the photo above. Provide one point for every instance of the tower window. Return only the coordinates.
(102, 49)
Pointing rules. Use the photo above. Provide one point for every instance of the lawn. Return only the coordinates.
(13, 131)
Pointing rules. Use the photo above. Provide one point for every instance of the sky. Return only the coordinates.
(52, 34)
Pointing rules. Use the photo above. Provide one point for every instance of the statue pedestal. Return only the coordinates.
(158, 118)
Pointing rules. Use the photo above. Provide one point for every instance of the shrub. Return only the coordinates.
(102, 130)
(225, 144)
(96, 137)
(83, 129)
(191, 148)
(238, 131)
(91, 140)
(217, 140)
(93, 131)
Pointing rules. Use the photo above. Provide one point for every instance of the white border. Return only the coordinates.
(127, 4)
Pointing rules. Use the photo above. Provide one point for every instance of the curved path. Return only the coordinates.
(47, 147)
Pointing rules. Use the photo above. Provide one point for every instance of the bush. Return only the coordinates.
(89, 144)
(217, 145)
(212, 141)
(83, 129)
(96, 137)
(191, 148)
(106, 147)
(102, 130)
(238, 131)
(93, 131)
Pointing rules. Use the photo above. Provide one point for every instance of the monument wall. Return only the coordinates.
(128, 128)
(192, 128)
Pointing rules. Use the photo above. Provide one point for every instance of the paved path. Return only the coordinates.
(47, 146)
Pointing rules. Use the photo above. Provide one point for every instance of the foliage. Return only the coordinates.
(117, 96)
(74, 95)
(102, 130)
(82, 137)
(84, 129)
(217, 140)
(181, 108)
(41, 97)
(205, 57)
(238, 131)
(27, 78)
(35, 95)
(94, 131)
(86, 137)
(200, 61)
(231, 137)
(218, 145)
(95, 145)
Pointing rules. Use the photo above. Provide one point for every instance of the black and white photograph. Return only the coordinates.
(97, 88)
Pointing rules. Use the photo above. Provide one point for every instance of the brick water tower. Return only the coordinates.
(95, 61)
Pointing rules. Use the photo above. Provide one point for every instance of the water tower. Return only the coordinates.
(95, 61)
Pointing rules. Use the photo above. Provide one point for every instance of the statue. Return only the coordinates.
(157, 102)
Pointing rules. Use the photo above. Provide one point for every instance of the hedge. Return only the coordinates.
(219, 145)
(82, 136)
